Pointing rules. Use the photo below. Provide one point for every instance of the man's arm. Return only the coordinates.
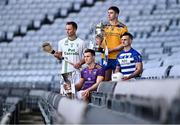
(79, 85)
(82, 48)
(98, 80)
(85, 94)
(58, 55)
(79, 64)
(137, 72)
(118, 48)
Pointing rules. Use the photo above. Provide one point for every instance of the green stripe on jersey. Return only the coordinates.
(65, 66)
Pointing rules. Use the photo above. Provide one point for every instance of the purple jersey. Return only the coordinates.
(90, 76)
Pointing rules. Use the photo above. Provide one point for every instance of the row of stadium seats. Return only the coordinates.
(57, 109)
(154, 100)
(168, 63)
(18, 16)
(147, 101)
(47, 82)
(62, 106)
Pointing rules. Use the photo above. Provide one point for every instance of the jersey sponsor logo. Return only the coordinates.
(71, 52)
(125, 60)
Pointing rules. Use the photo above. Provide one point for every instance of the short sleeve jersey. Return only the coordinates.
(71, 51)
(90, 76)
(127, 61)
(112, 37)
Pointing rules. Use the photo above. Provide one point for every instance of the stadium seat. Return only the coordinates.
(19, 92)
(152, 64)
(104, 90)
(171, 61)
(12, 100)
(156, 72)
(175, 71)
(33, 98)
(69, 113)
(78, 4)
(56, 101)
(106, 87)
(4, 92)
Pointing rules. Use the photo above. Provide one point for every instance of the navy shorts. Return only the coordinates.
(110, 65)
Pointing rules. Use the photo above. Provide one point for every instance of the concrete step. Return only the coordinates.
(30, 117)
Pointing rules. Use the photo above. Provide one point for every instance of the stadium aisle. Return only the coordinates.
(31, 117)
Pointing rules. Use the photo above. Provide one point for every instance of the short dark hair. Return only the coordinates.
(128, 34)
(90, 51)
(73, 24)
(115, 9)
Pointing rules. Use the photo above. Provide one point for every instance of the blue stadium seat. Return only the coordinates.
(175, 71)
(156, 72)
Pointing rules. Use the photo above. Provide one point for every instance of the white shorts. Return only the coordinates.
(79, 94)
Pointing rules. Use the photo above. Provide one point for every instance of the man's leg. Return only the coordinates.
(108, 74)
(81, 97)
(109, 68)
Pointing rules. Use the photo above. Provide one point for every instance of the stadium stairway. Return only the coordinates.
(30, 117)
(19, 106)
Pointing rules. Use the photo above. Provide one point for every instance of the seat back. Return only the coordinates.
(106, 86)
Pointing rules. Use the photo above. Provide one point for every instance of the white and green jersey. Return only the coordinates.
(71, 51)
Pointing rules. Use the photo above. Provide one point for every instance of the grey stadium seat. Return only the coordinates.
(105, 89)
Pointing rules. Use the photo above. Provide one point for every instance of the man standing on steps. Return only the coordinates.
(71, 49)
(110, 41)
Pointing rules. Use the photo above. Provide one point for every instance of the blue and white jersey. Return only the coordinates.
(127, 61)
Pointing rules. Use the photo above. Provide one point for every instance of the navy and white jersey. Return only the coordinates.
(127, 61)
